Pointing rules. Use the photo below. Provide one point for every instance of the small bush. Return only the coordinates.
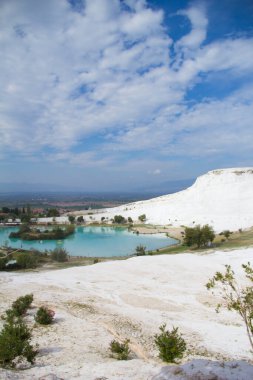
(140, 250)
(120, 350)
(59, 254)
(71, 219)
(44, 316)
(15, 343)
(22, 304)
(171, 345)
(119, 219)
(142, 218)
(226, 233)
(27, 260)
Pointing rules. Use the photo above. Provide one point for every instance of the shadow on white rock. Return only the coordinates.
(207, 370)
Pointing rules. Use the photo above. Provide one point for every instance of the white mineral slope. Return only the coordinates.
(131, 299)
(222, 198)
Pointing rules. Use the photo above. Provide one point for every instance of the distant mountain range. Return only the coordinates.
(16, 187)
(162, 188)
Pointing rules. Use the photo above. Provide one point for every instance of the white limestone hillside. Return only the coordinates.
(222, 198)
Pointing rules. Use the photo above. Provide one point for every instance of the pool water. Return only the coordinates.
(92, 241)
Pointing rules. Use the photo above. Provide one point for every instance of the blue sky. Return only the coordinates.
(124, 94)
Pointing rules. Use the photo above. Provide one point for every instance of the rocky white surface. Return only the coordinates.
(131, 299)
(207, 370)
(222, 198)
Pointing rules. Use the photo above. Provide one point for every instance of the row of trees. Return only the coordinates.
(119, 219)
(199, 236)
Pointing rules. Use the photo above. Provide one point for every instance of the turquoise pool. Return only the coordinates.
(92, 241)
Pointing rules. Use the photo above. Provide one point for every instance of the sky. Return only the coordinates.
(113, 95)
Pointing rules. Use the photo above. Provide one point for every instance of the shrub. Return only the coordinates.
(142, 218)
(71, 219)
(140, 250)
(129, 219)
(171, 345)
(234, 296)
(199, 236)
(120, 350)
(3, 262)
(52, 212)
(44, 316)
(15, 342)
(226, 233)
(119, 219)
(21, 305)
(26, 260)
(59, 254)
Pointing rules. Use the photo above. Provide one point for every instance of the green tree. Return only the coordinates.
(80, 219)
(3, 262)
(119, 219)
(226, 233)
(71, 219)
(140, 250)
(27, 260)
(52, 212)
(171, 345)
(25, 218)
(199, 236)
(234, 296)
(142, 218)
(5, 210)
(15, 343)
(59, 254)
(120, 350)
(21, 305)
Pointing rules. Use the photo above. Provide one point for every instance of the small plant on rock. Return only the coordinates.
(171, 345)
(120, 350)
(44, 316)
(22, 304)
(15, 343)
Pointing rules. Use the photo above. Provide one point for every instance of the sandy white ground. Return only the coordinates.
(130, 299)
(222, 198)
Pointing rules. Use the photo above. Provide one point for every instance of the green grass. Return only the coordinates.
(236, 240)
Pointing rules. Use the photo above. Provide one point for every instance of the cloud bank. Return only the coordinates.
(99, 81)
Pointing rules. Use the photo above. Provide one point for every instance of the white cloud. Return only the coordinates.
(107, 73)
(199, 23)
